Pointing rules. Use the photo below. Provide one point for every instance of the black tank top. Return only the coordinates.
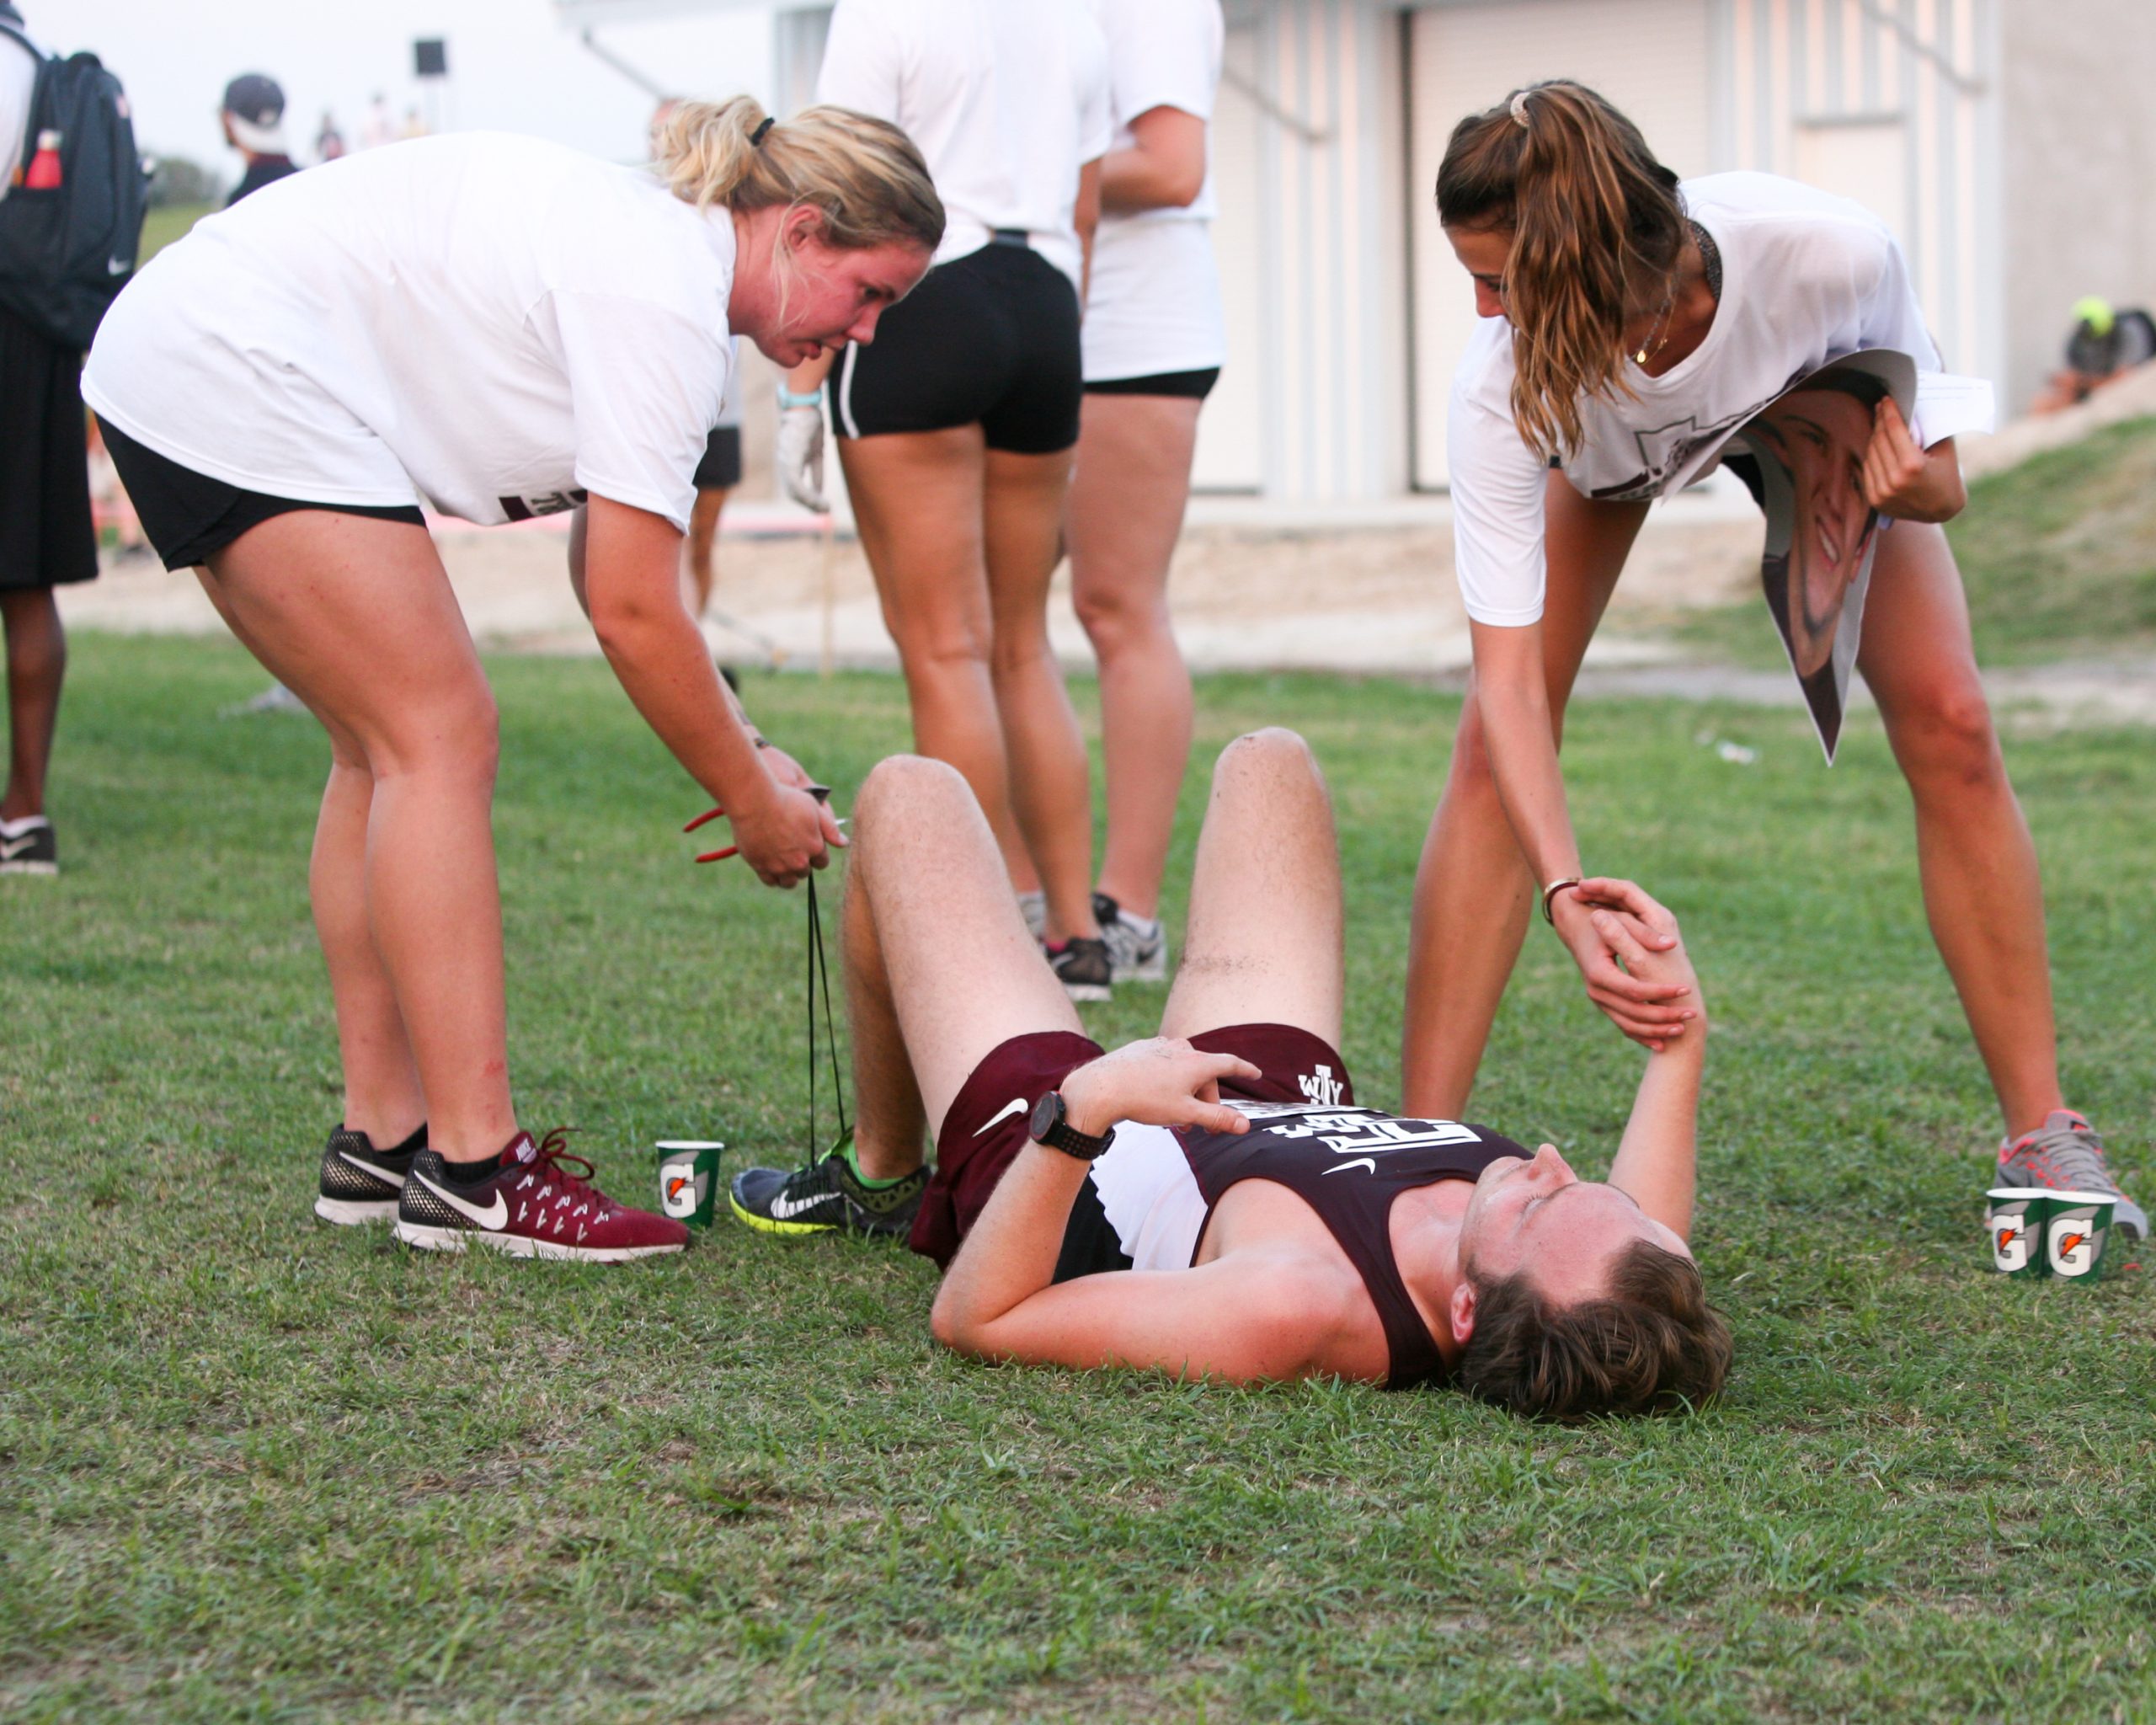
(1349, 1165)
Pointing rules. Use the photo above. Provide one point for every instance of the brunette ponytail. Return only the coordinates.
(1597, 229)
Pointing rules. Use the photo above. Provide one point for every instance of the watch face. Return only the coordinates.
(1047, 1113)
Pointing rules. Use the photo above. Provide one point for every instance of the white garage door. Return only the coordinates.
(1649, 57)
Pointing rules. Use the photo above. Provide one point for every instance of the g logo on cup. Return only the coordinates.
(2014, 1218)
(2075, 1234)
(681, 1188)
(687, 1170)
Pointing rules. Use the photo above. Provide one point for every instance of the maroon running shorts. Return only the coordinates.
(987, 1125)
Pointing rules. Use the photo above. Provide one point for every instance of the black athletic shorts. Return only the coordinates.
(1188, 386)
(46, 537)
(989, 338)
(189, 515)
(720, 470)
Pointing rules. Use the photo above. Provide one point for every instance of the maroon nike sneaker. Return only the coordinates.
(533, 1204)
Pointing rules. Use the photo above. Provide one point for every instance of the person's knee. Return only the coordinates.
(902, 792)
(456, 735)
(1272, 757)
(1947, 738)
(1114, 619)
(1469, 775)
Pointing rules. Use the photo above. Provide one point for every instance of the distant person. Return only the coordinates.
(413, 127)
(254, 115)
(957, 430)
(279, 390)
(46, 535)
(2104, 345)
(1153, 340)
(1213, 1202)
(377, 128)
(328, 141)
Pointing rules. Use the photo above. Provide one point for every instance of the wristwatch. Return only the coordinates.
(1050, 1126)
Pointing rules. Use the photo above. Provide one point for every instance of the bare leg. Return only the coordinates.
(939, 968)
(1982, 890)
(1472, 893)
(917, 501)
(37, 665)
(1263, 941)
(356, 616)
(1127, 499)
(703, 535)
(1049, 787)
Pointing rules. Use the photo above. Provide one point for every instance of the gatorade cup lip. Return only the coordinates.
(687, 1143)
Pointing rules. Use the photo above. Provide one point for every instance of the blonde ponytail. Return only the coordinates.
(1596, 228)
(862, 175)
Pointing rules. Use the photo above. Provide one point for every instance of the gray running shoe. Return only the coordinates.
(1034, 907)
(1138, 946)
(2065, 1154)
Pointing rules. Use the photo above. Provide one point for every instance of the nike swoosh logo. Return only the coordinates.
(1017, 1105)
(390, 1175)
(12, 848)
(493, 1219)
(785, 1208)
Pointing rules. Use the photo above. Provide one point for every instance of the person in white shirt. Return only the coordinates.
(1631, 324)
(504, 329)
(956, 428)
(1153, 340)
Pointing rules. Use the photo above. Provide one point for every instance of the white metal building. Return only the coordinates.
(2007, 142)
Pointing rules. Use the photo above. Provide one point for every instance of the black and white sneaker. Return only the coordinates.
(826, 1196)
(360, 1183)
(1138, 946)
(1081, 966)
(27, 846)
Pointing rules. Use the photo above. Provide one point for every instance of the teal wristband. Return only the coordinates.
(788, 399)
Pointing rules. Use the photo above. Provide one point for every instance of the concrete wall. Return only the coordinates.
(2077, 136)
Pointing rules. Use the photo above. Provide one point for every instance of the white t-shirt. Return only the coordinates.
(1007, 100)
(17, 81)
(1156, 300)
(1150, 1197)
(496, 323)
(1807, 278)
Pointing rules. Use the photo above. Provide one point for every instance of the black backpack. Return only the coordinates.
(65, 253)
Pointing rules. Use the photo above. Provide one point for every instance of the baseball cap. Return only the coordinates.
(254, 107)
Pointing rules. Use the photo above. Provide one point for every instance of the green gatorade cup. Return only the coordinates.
(2015, 1218)
(688, 1178)
(2077, 1232)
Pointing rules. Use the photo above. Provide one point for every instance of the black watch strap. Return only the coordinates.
(1052, 1127)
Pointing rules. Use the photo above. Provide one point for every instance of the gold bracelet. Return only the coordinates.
(1550, 892)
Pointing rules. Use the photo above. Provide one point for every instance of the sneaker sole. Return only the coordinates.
(47, 868)
(427, 1239)
(356, 1212)
(1089, 991)
(1153, 970)
(772, 1225)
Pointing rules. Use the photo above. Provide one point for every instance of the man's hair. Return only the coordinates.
(1650, 1345)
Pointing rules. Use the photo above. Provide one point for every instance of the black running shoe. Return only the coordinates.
(360, 1183)
(826, 1196)
(1082, 966)
(31, 848)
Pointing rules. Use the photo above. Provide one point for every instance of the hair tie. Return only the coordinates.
(1519, 110)
(756, 136)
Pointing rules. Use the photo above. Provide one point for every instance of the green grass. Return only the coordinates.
(168, 223)
(2057, 555)
(259, 1469)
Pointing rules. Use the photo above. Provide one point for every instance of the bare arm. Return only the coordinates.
(1909, 484)
(625, 565)
(1512, 695)
(808, 377)
(1656, 1159)
(1087, 219)
(1164, 168)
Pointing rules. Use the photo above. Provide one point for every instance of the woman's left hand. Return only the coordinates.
(1906, 482)
(783, 767)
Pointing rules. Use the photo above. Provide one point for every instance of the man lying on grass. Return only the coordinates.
(1212, 1201)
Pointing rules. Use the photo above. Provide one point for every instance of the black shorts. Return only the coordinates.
(187, 515)
(989, 339)
(720, 470)
(1188, 386)
(982, 1134)
(46, 537)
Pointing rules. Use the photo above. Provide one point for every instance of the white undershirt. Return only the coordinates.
(1150, 1197)
(1154, 305)
(1807, 278)
(1007, 99)
(493, 324)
